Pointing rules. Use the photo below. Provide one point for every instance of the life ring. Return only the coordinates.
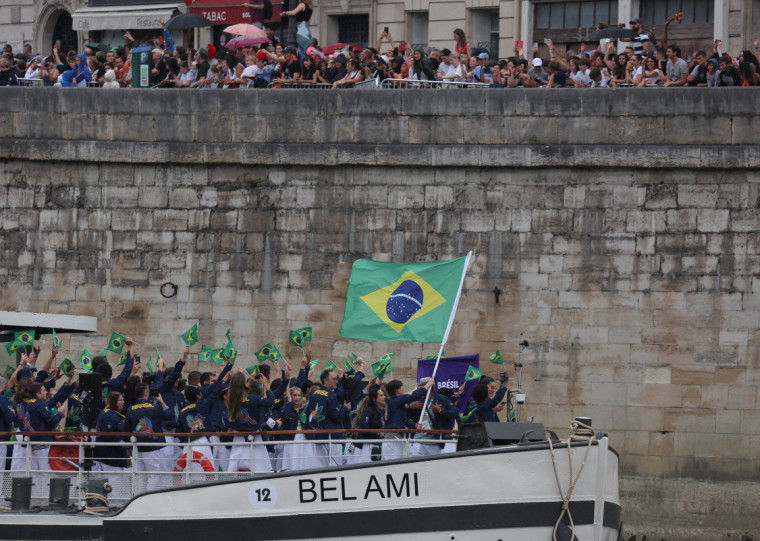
(58, 454)
(198, 458)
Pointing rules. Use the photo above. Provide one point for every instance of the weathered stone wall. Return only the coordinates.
(621, 225)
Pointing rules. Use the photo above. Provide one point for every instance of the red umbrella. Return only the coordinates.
(330, 49)
(242, 41)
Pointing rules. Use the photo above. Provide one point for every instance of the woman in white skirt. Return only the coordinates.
(371, 415)
(244, 411)
(293, 453)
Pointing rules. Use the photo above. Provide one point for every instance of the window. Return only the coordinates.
(565, 15)
(354, 29)
(417, 28)
(694, 11)
(484, 32)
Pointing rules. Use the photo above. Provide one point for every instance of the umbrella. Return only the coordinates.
(330, 49)
(98, 46)
(184, 21)
(242, 41)
(613, 32)
(247, 30)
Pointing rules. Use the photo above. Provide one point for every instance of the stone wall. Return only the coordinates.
(622, 227)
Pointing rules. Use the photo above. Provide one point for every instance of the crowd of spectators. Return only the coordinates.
(216, 406)
(610, 64)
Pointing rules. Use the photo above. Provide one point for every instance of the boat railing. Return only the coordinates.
(181, 462)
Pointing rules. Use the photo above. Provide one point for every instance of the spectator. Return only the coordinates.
(422, 68)
(698, 75)
(203, 66)
(291, 69)
(641, 43)
(353, 75)
(110, 79)
(159, 71)
(455, 71)
(82, 74)
(256, 10)
(748, 68)
(619, 71)
(635, 70)
(712, 72)
(537, 74)
(49, 73)
(462, 45)
(650, 73)
(338, 71)
(728, 74)
(8, 76)
(677, 68)
(557, 77)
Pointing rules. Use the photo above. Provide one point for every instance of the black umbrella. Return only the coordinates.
(613, 32)
(98, 46)
(185, 21)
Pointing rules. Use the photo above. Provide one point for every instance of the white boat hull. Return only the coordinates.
(507, 493)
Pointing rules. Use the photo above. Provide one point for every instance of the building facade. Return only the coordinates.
(494, 25)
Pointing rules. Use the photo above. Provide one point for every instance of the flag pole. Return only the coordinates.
(448, 330)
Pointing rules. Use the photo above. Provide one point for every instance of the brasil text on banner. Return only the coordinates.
(451, 374)
(410, 302)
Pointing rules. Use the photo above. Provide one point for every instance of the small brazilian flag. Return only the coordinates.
(347, 366)
(410, 302)
(24, 338)
(191, 336)
(472, 373)
(230, 352)
(205, 355)
(330, 366)
(116, 343)
(496, 358)
(85, 361)
(149, 366)
(11, 347)
(380, 368)
(229, 335)
(67, 367)
(123, 359)
(313, 364)
(158, 353)
(443, 354)
(217, 355)
(252, 369)
(300, 336)
(302, 416)
(387, 357)
(57, 341)
(268, 352)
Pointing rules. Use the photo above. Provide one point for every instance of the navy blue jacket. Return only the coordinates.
(8, 417)
(41, 417)
(174, 399)
(145, 417)
(290, 417)
(397, 408)
(111, 421)
(89, 416)
(482, 412)
(195, 417)
(371, 419)
(325, 413)
(251, 415)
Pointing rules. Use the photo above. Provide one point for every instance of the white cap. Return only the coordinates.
(538, 62)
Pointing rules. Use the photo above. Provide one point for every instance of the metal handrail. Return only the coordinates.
(414, 83)
(232, 433)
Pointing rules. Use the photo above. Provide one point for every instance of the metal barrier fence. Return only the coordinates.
(30, 82)
(173, 463)
(318, 86)
(411, 83)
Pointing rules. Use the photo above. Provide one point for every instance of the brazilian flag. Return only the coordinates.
(191, 336)
(24, 338)
(85, 361)
(252, 369)
(67, 367)
(205, 355)
(380, 368)
(149, 366)
(299, 337)
(11, 347)
(472, 373)
(331, 366)
(313, 364)
(217, 355)
(230, 352)
(123, 359)
(268, 352)
(410, 302)
(56, 341)
(443, 354)
(116, 343)
(229, 335)
(496, 358)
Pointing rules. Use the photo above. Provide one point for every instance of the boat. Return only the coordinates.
(506, 481)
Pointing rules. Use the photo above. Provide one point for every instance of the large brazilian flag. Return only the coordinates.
(410, 302)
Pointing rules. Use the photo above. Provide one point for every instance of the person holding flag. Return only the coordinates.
(293, 416)
(483, 407)
(397, 402)
(147, 417)
(441, 414)
(372, 414)
(326, 413)
(167, 383)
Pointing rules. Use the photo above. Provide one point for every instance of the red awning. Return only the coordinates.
(225, 12)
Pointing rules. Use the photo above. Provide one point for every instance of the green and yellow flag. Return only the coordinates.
(205, 355)
(190, 337)
(443, 354)
(299, 337)
(380, 368)
(158, 353)
(24, 338)
(252, 369)
(104, 353)
(149, 366)
(313, 364)
(67, 367)
(410, 302)
(217, 355)
(123, 359)
(496, 358)
(230, 352)
(116, 343)
(11, 347)
(330, 366)
(347, 366)
(56, 341)
(268, 352)
(229, 335)
(472, 373)
(85, 361)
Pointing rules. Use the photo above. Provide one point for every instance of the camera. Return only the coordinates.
(520, 398)
(386, 29)
(257, 376)
(137, 359)
(155, 393)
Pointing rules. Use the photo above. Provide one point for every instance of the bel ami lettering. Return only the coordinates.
(334, 489)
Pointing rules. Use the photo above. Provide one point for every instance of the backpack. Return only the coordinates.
(267, 10)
